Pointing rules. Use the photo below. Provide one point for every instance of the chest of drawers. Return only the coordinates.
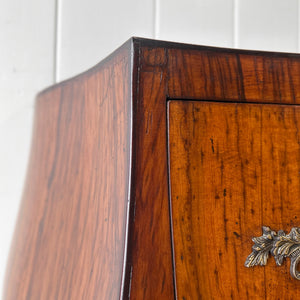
(151, 173)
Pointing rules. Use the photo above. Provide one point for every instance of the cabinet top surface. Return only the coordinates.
(153, 43)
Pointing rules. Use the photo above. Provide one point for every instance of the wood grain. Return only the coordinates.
(281, 187)
(70, 237)
(101, 146)
(150, 252)
(233, 168)
(233, 75)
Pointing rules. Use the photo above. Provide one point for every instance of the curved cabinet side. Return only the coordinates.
(70, 236)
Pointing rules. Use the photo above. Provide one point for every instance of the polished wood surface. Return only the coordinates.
(95, 220)
(234, 75)
(233, 168)
(150, 258)
(70, 237)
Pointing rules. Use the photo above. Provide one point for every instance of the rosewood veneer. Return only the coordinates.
(150, 173)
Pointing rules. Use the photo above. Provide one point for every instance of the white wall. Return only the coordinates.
(42, 42)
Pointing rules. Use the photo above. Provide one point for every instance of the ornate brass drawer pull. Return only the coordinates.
(280, 245)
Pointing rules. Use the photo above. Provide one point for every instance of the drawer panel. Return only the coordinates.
(233, 168)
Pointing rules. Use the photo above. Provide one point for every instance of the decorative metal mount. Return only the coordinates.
(280, 245)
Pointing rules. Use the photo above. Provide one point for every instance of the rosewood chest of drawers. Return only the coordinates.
(151, 173)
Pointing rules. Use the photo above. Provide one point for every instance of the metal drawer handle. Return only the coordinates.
(280, 245)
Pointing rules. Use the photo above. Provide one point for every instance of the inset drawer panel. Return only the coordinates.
(234, 167)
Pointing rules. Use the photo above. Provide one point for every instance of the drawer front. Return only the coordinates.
(233, 168)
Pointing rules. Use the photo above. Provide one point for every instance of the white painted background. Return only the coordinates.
(43, 42)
